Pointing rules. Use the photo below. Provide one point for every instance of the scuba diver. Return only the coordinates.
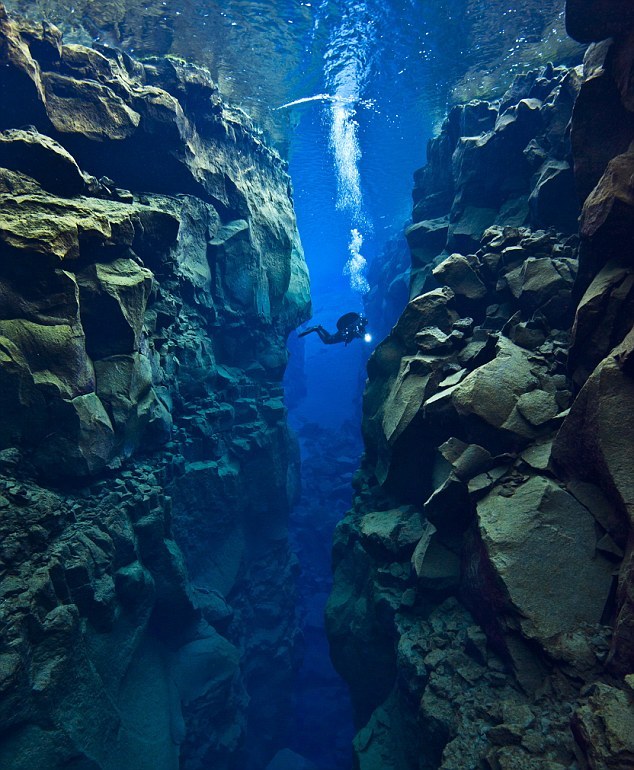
(349, 327)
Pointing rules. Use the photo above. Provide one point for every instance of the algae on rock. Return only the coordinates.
(150, 273)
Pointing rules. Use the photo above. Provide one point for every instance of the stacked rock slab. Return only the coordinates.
(497, 163)
(150, 271)
(482, 606)
(594, 445)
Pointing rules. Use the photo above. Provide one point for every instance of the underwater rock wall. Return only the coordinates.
(501, 163)
(389, 281)
(150, 271)
(482, 606)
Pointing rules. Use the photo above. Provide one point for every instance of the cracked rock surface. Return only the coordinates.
(482, 605)
(150, 271)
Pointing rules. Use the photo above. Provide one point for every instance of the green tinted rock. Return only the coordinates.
(395, 531)
(538, 532)
(604, 727)
(42, 158)
(85, 444)
(113, 298)
(87, 107)
(53, 357)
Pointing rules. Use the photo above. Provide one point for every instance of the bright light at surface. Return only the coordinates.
(368, 338)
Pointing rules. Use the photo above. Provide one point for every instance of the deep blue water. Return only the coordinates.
(351, 166)
(351, 162)
(388, 70)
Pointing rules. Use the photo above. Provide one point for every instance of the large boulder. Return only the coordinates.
(85, 445)
(54, 229)
(596, 141)
(459, 274)
(491, 392)
(52, 356)
(434, 308)
(553, 201)
(603, 318)
(603, 725)
(43, 159)
(544, 284)
(540, 542)
(594, 444)
(117, 291)
(206, 665)
(406, 396)
(426, 239)
(123, 383)
(606, 221)
(394, 532)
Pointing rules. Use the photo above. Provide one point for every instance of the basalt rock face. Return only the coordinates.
(488, 552)
(500, 163)
(497, 163)
(594, 445)
(150, 271)
(389, 280)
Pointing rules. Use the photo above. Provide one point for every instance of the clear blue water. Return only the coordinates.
(352, 155)
(374, 82)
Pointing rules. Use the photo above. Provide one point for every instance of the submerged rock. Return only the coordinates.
(150, 272)
(43, 159)
(512, 617)
(604, 726)
(493, 391)
(547, 536)
(457, 272)
(480, 173)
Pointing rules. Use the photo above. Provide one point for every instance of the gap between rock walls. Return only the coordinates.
(154, 615)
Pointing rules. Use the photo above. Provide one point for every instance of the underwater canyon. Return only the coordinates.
(177, 469)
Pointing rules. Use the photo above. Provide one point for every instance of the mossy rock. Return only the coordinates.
(113, 300)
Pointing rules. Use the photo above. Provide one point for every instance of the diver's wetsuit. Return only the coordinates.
(349, 327)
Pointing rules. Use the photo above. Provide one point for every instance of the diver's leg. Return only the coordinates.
(326, 337)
